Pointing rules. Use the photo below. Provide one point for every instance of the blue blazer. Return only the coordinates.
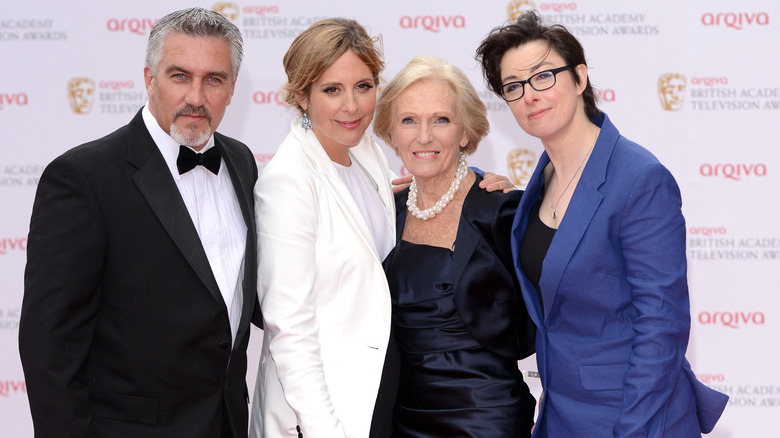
(612, 336)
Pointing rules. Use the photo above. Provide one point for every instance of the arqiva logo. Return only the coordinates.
(8, 387)
(116, 85)
(606, 95)
(734, 172)
(707, 231)
(709, 81)
(260, 10)
(266, 97)
(13, 99)
(263, 159)
(733, 320)
(558, 7)
(711, 378)
(735, 20)
(433, 23)
(8, 244)
(138, 26)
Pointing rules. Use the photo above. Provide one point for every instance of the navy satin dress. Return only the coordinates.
(450, 385)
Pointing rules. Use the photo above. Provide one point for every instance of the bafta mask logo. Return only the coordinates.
(516, 8)
(520, 163)
(226, 9)
(81, 95)
(671, 91)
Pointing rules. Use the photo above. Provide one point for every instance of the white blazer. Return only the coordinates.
(323, 293)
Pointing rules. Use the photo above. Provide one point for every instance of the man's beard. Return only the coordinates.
(190, 136)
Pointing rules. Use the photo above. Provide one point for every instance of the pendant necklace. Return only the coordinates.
(554, 206)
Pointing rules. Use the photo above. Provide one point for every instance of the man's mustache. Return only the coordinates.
(189, 110)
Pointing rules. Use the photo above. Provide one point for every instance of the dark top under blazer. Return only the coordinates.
(124, 332)
(482, 257)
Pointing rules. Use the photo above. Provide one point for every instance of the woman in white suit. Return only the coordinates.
(326, 220)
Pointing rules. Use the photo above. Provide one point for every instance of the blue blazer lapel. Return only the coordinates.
(532, 193)
(156, 184)
(583, 205)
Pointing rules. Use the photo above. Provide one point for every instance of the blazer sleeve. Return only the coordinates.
(652, 239)
(65, 253)
(487, 293)
(287, 221)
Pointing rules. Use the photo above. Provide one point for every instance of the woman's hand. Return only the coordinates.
(401, 183)
(492, 182)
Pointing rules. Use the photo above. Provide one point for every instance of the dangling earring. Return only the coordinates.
(305, 122)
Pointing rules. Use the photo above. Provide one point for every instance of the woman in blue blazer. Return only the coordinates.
(598, 242)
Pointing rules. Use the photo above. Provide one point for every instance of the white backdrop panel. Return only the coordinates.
(719, 137)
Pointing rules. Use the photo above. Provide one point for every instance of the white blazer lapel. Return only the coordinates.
(335, 184)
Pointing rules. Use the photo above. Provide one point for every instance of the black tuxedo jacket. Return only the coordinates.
(124, 332)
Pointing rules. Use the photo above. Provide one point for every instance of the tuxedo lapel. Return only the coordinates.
(157, 186)
(242, 184)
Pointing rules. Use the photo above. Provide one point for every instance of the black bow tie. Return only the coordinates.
(188, 159)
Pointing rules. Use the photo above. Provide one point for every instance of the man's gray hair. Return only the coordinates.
(196, 22)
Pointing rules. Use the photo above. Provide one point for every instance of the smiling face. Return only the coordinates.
(547, 114)
(427, 132)
(341, 105)
(192, 87)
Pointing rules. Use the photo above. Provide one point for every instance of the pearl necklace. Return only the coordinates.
(428, 213)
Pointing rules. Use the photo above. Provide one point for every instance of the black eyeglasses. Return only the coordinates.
(539, 81)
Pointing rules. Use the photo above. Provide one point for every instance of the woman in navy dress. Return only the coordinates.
(458, 318)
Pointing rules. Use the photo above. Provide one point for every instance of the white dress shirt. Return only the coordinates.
(213, 206)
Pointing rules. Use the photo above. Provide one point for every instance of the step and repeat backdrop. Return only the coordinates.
(694, 81)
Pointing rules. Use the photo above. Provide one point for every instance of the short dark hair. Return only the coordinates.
(527, 28)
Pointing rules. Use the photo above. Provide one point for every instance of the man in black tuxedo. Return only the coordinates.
(141, 271)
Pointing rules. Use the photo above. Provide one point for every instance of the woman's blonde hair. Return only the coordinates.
(470, 108)
(318, 47)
